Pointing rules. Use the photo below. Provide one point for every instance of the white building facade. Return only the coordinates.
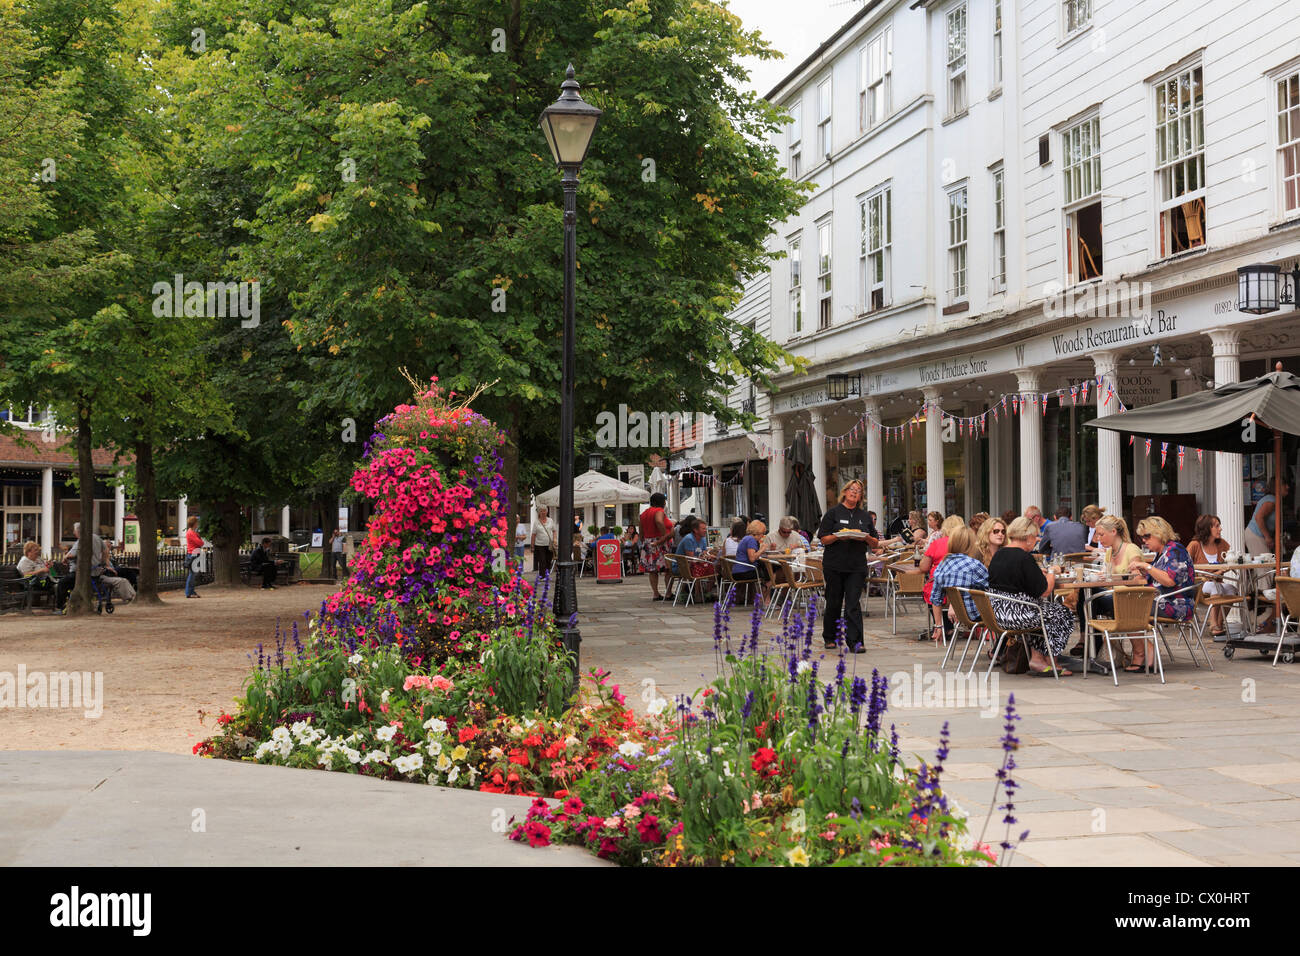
(1029, 212)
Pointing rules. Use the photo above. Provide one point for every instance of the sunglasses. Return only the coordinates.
(998, 531)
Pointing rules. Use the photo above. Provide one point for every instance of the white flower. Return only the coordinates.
(571, 741)
(325, 758)
(299, 728)
(375, 756)
(454, 775)
(386, 732)
(383, 698)
(473, 775)
(354, 659)
(280, 733)
(802, 667)
(435, 747)
(408, 764)
(656, 706)
(264, 749)
(353, 755)
(495, 753)
(444, 762)
(630, 748)
(436, 725)
(528, 723)
(726, 768)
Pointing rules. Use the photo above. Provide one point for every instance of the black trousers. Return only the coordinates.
(267, 571)
(843, 591)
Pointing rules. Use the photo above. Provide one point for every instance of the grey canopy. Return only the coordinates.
(1218, 420)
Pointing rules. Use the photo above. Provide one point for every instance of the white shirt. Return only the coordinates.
(545, 532)
(27, 566)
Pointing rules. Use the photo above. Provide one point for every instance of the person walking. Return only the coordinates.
(656, 533)
(336, 547)
(543, 539)
(193, 554)
(844, 565)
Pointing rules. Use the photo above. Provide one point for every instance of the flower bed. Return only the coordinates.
(437, 664)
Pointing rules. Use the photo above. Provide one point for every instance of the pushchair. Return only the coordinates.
(103, 595)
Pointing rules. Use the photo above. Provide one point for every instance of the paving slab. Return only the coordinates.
(142, 808)
(1107, 851)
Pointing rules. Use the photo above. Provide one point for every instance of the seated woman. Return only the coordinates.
(961, 568)
(1118, 554)
(992, 538)
(733, 539)
(35, 569)
(1208, 547)
(1014, 574)
(1171, 571)
(747, 552)
(1090, 515)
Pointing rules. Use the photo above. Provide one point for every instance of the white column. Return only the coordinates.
(934, 500)
(284, 522)
(1031, 441)
(715, 494)
(674, 499)
(997, 486)
(875, 464)
(119, 505)
(1191, 477)
(1228, 499)
(818, 458)
(1142, 465)
(970, 467)
(776, 505)
(182, 518)
(1110, 472)
(1007, 469)
(47, 511)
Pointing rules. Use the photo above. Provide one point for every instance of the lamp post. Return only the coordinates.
(568, 125)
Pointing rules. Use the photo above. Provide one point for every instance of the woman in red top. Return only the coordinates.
(934, 554)
(656, 535)
(193, 544)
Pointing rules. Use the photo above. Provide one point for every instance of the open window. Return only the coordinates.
(1081, 152)
(1180, 161)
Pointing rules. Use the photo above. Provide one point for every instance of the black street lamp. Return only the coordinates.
(840, 386)
(1261, 289)
(595, 461)
(568, 125)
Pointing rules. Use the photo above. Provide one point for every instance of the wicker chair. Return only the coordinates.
(1289, 589)
(907, 586)
(1134, 607)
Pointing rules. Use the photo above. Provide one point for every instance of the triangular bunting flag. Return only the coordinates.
(1164, 453)
(1148, 441)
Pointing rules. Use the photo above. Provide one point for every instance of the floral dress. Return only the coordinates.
(1176, 562)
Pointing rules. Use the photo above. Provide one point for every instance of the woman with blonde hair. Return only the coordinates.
(992, 536)
(1170, 572)
(1090, 515)
(843, 531)
(935, 552)
(1015, 583)
(1117, 554)
(961, 568)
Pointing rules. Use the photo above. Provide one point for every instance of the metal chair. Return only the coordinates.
(1134, 608)
(727, 576)
(674, 580)
(1001, 634)
(956, 601)
(811, 582)
(1186, 629)
(1211, 602)
(781, 577)
(907, 586)
(1289, 588)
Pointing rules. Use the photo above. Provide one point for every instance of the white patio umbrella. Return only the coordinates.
(592, 490)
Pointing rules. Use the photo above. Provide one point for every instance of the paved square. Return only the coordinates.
(1203, 770)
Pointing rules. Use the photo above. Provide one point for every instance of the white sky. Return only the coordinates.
(795, 27)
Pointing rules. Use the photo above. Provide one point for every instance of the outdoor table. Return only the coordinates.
(1251, 572)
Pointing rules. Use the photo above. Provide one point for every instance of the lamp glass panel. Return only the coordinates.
(569, 135)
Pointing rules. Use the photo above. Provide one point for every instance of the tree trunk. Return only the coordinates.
(226, 538)
(329, 511)
(146, 507)
(510, 475)
(80, 601)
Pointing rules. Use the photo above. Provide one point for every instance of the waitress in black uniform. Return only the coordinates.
(845, 565)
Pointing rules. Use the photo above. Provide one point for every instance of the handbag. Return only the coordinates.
(1015, 656)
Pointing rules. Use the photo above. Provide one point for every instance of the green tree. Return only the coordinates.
(407, 211)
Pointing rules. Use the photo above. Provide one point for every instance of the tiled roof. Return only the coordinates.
(60, 453)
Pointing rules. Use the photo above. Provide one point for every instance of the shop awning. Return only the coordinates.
(728, 451)
(1218, 420)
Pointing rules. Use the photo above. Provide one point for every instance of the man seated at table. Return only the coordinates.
(607, 534)
(695, 544)
(785, 538)
(1064, 535)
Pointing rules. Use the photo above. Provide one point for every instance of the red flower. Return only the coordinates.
(467, 733)
(648, 829)
(573, 806)
(764, 762)
(539, 834)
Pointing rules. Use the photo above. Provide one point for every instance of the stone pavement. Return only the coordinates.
(141, 808)
(1203, 770)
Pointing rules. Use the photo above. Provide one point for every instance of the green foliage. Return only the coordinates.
(528, 674)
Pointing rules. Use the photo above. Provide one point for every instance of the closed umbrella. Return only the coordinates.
(801, 493)
(1238, 417)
